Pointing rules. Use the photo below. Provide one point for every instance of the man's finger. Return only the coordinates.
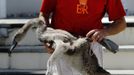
(90, 33)
(49, 49)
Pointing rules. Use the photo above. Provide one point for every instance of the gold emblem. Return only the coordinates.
(82, 7)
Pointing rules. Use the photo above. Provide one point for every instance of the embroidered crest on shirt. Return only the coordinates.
(82, 7)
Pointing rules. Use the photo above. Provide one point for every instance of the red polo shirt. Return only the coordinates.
(65, 14)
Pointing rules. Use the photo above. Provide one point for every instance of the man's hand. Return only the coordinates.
(45, 18)
(42, 18)
(115, 27)
(97, 34)
(50, 50)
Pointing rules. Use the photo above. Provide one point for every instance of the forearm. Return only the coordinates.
(116, 27)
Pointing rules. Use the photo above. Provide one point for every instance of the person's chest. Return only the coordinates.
(74, 7)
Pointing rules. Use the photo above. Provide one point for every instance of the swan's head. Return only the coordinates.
(19, 35)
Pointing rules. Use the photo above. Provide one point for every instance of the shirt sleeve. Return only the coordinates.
(47, 6)
(115, 9)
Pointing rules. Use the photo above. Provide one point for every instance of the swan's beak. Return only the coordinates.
(12, 47)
